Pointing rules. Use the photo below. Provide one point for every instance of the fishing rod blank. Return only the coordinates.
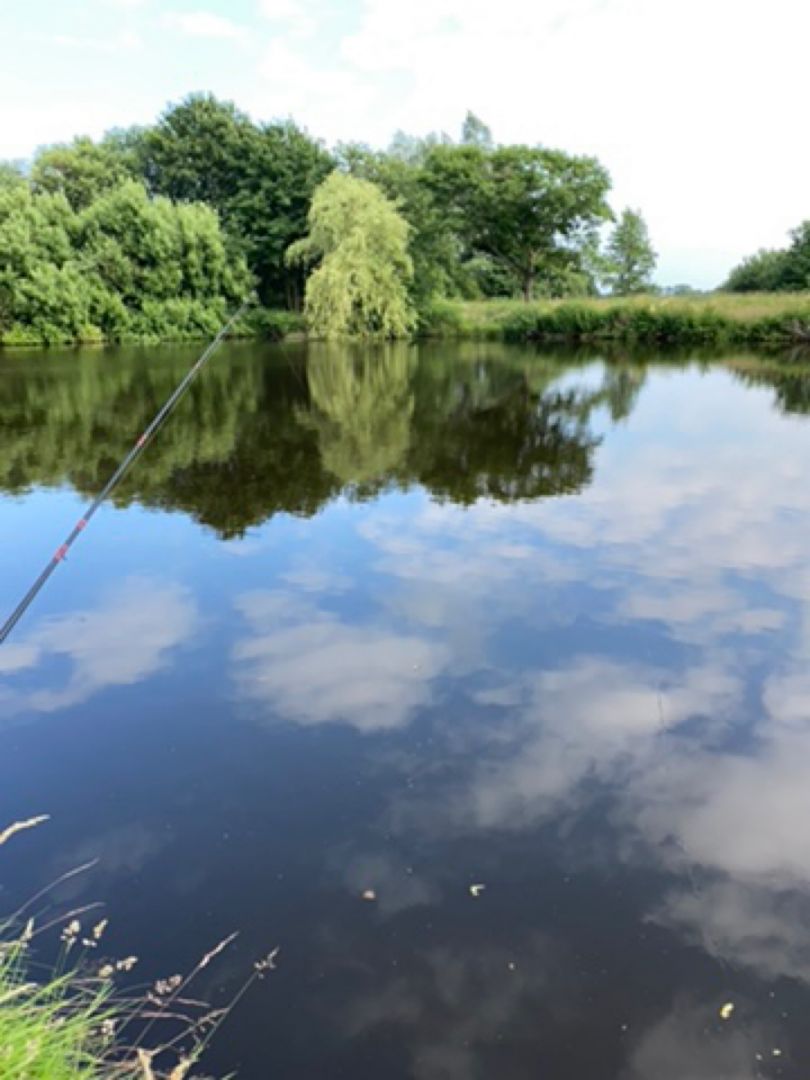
(60, 553)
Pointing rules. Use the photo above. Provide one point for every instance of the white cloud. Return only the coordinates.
(745, 923)
(313, 577)
(320, 95)
(125, 638)
(291, 16)
(125, 41)
(312, 668)
(609, 79)
(592, 718)
(204, 24)
(631, 81)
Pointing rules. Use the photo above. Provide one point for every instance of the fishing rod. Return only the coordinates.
(140, 443)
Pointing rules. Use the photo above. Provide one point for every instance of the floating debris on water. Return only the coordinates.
(726, 1010)
(369, 894)
(476, 890)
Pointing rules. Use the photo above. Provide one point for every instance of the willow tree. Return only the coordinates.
(358, 242)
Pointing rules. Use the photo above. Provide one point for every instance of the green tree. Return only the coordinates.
(780, 270)
(763, 272)
(259, 177)
(41, 294)
(796, 271)
(474, 132)
(433, 244)
(530, 210)
(127, 266)
(81, 171)
(11, 175)
(360, 242)
(630, 260)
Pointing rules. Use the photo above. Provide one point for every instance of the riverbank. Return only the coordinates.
(750, 319)
(717, 318)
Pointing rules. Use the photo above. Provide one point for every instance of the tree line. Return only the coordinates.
(156, 231)
(777, 270)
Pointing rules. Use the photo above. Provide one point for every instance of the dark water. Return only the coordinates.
(410, 621)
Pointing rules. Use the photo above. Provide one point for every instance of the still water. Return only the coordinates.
(409, 621)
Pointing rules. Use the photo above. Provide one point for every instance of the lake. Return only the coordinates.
(514, 643)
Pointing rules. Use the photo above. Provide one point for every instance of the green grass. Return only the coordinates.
(54, 1030)
(753, 318)
(73, 1022)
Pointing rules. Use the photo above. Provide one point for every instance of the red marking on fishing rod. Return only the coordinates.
(61, 553)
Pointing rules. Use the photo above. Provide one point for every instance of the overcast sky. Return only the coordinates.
(699, 108)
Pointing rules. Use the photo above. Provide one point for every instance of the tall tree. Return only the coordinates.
(530, 210)
(260, 177)
(630, 256)
(360, 242)
(81, 170)
(11, 174)
(433, 243)
(474, 132)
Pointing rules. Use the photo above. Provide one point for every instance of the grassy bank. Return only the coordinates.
(715, 319)
(754, 318)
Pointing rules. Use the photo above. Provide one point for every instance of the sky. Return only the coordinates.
(696, 107)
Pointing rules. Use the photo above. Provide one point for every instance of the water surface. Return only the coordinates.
(412, 620)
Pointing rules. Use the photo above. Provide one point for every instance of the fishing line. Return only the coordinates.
(140, 444)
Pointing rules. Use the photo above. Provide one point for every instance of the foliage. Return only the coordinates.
(259, 177)
(441, 318)
(11, 175)
(50, 1030)
(530, 210)
(797, 269)
(474, 132)
(268, 324)
(433, 244)
(688, 319)
(81, 171)
(74, 1022)
(103, 261)
(762, 272)
(630, 258)
(649, 319)
(125, 267)
(360, 242)
(782, 270)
